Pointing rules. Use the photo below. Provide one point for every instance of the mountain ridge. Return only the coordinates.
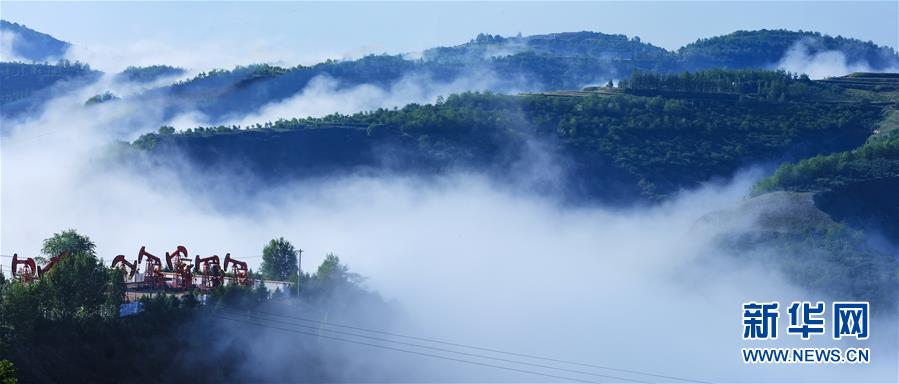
(536, 63)
(32, 45)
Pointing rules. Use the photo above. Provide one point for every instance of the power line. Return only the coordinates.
(463, 346)
(483, 349)
(20, 140)
(450, 350)
(409, 351)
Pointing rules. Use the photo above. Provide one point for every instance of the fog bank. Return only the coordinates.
(463, 258)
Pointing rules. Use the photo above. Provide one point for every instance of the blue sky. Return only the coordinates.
(308, 32)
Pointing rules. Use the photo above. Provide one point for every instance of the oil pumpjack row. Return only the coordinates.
(180, 275)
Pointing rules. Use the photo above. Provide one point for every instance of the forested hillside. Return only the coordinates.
(760, 49)
(27, 86)
(22, 80)
(832, 222)
(857, 187)
(794, 234)
(763, 48)
(593, 45)
(247, 88)
(148, 74)
(615, 146)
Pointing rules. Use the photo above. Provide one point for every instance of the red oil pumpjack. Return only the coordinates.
(239, 269)
(120, 262)
(27, 272)
(181, 267)
(53, 261)
(152, 270)
(180, 252)
(211, 273)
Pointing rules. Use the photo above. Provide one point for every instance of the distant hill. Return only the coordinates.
(29, 81)
(531, 63)
(500, 64)
(149, 74)
(27, 44)
(760, 49)
(220, 93)
(21, 80)
(765, 48)
(567, 44)
(27, 86)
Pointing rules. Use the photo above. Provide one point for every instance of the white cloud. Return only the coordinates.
(7, 39)
(802, 58)
(324, 95)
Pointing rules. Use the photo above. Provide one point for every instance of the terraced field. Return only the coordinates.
(878, 82)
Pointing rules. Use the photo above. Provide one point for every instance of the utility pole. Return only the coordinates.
(299, 270)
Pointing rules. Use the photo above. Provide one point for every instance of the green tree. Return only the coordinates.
(279, 260)
(68, 240)
(115, 292)
(76, 288)
(332, 273)
(333, 283)
(7, 372)
(18, 319)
